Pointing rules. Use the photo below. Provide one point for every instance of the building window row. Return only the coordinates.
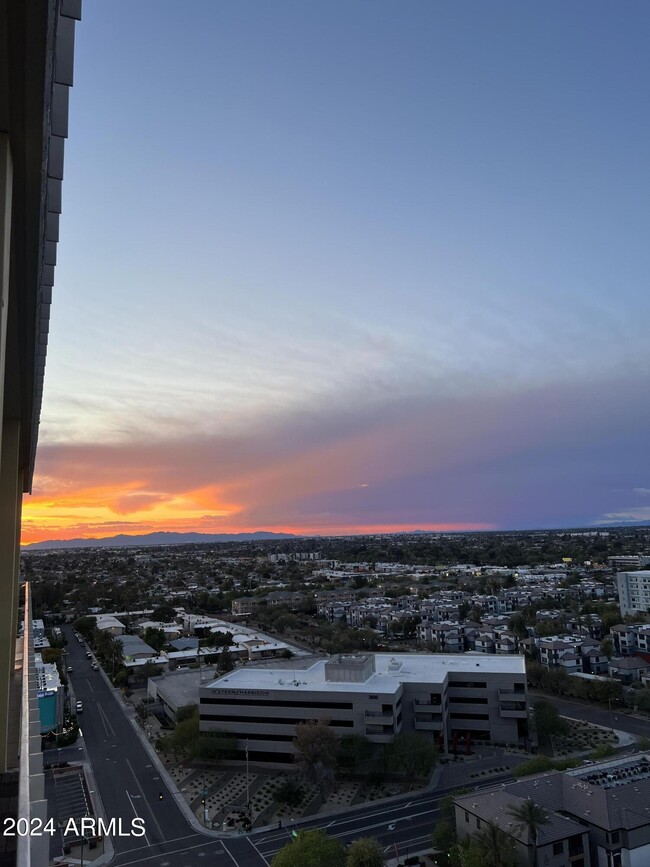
(468, 684)
(270, 702)
(280, 721)
(469, 715)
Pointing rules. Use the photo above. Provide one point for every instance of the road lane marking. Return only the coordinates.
(359, 831)
(270, 836)
(160, 855)
(266, 861)
(137, 782)
(137, 815)
(228, 852)
(167, 842)
(106, 722)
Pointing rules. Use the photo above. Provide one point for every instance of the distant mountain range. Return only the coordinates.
(160, 538)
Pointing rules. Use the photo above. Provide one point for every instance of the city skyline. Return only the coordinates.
(350, 269)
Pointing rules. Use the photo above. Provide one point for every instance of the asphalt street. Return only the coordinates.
(129, 784)
(600, 716)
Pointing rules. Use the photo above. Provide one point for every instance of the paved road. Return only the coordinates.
(594, 714)
(129, 784)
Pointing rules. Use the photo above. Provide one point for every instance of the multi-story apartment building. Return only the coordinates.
(245, 605)
(631, 638)
(597, 815)
(561, 651)
(446, 637)
(629, 561)
(633, 591)
(449, 699)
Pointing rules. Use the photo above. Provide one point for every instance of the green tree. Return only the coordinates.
(225, 662)
(365, 852)
(447, 808)
(121, 679)
(607, 647)
(85, 626)
(311, 849)
(603, 751)
(517, 625)
(213, 747)
(155, 638)
(443, 838)
(353, 751)
(547, 722)
(529, 818)
(290, 793)
(186, 712)
(318, 746)
(466, 854)
(412, 754)
(496, 847)
(642, 699)
(164, 614)
(184, 737)
(219, 639)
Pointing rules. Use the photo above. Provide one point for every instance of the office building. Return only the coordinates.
(453, 700)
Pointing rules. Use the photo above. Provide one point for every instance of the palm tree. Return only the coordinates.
(530, 817)
(496, 847)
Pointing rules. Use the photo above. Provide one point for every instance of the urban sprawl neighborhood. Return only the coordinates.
(281, 683)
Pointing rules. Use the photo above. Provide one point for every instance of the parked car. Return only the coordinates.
(95, 666)
(80, 706)
(69, 669)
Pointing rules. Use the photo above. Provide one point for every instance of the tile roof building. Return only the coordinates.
(599, 815)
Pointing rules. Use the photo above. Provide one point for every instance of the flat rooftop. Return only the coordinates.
(181, 688)
(391, 670)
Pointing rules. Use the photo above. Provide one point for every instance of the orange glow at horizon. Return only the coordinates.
(77, 516)
(101, 511)
(107, 510)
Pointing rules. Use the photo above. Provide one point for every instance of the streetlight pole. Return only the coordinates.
(248, 794)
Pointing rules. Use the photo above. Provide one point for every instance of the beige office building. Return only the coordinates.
(455, 700)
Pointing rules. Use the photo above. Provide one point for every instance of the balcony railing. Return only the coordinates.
(379, 717)
(32, 851)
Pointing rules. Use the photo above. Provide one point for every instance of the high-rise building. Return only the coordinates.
(633, 591)
(36, 65)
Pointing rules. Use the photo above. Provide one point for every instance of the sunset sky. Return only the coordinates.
(350, 266)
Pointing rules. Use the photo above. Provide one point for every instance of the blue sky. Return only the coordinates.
(352, 264)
